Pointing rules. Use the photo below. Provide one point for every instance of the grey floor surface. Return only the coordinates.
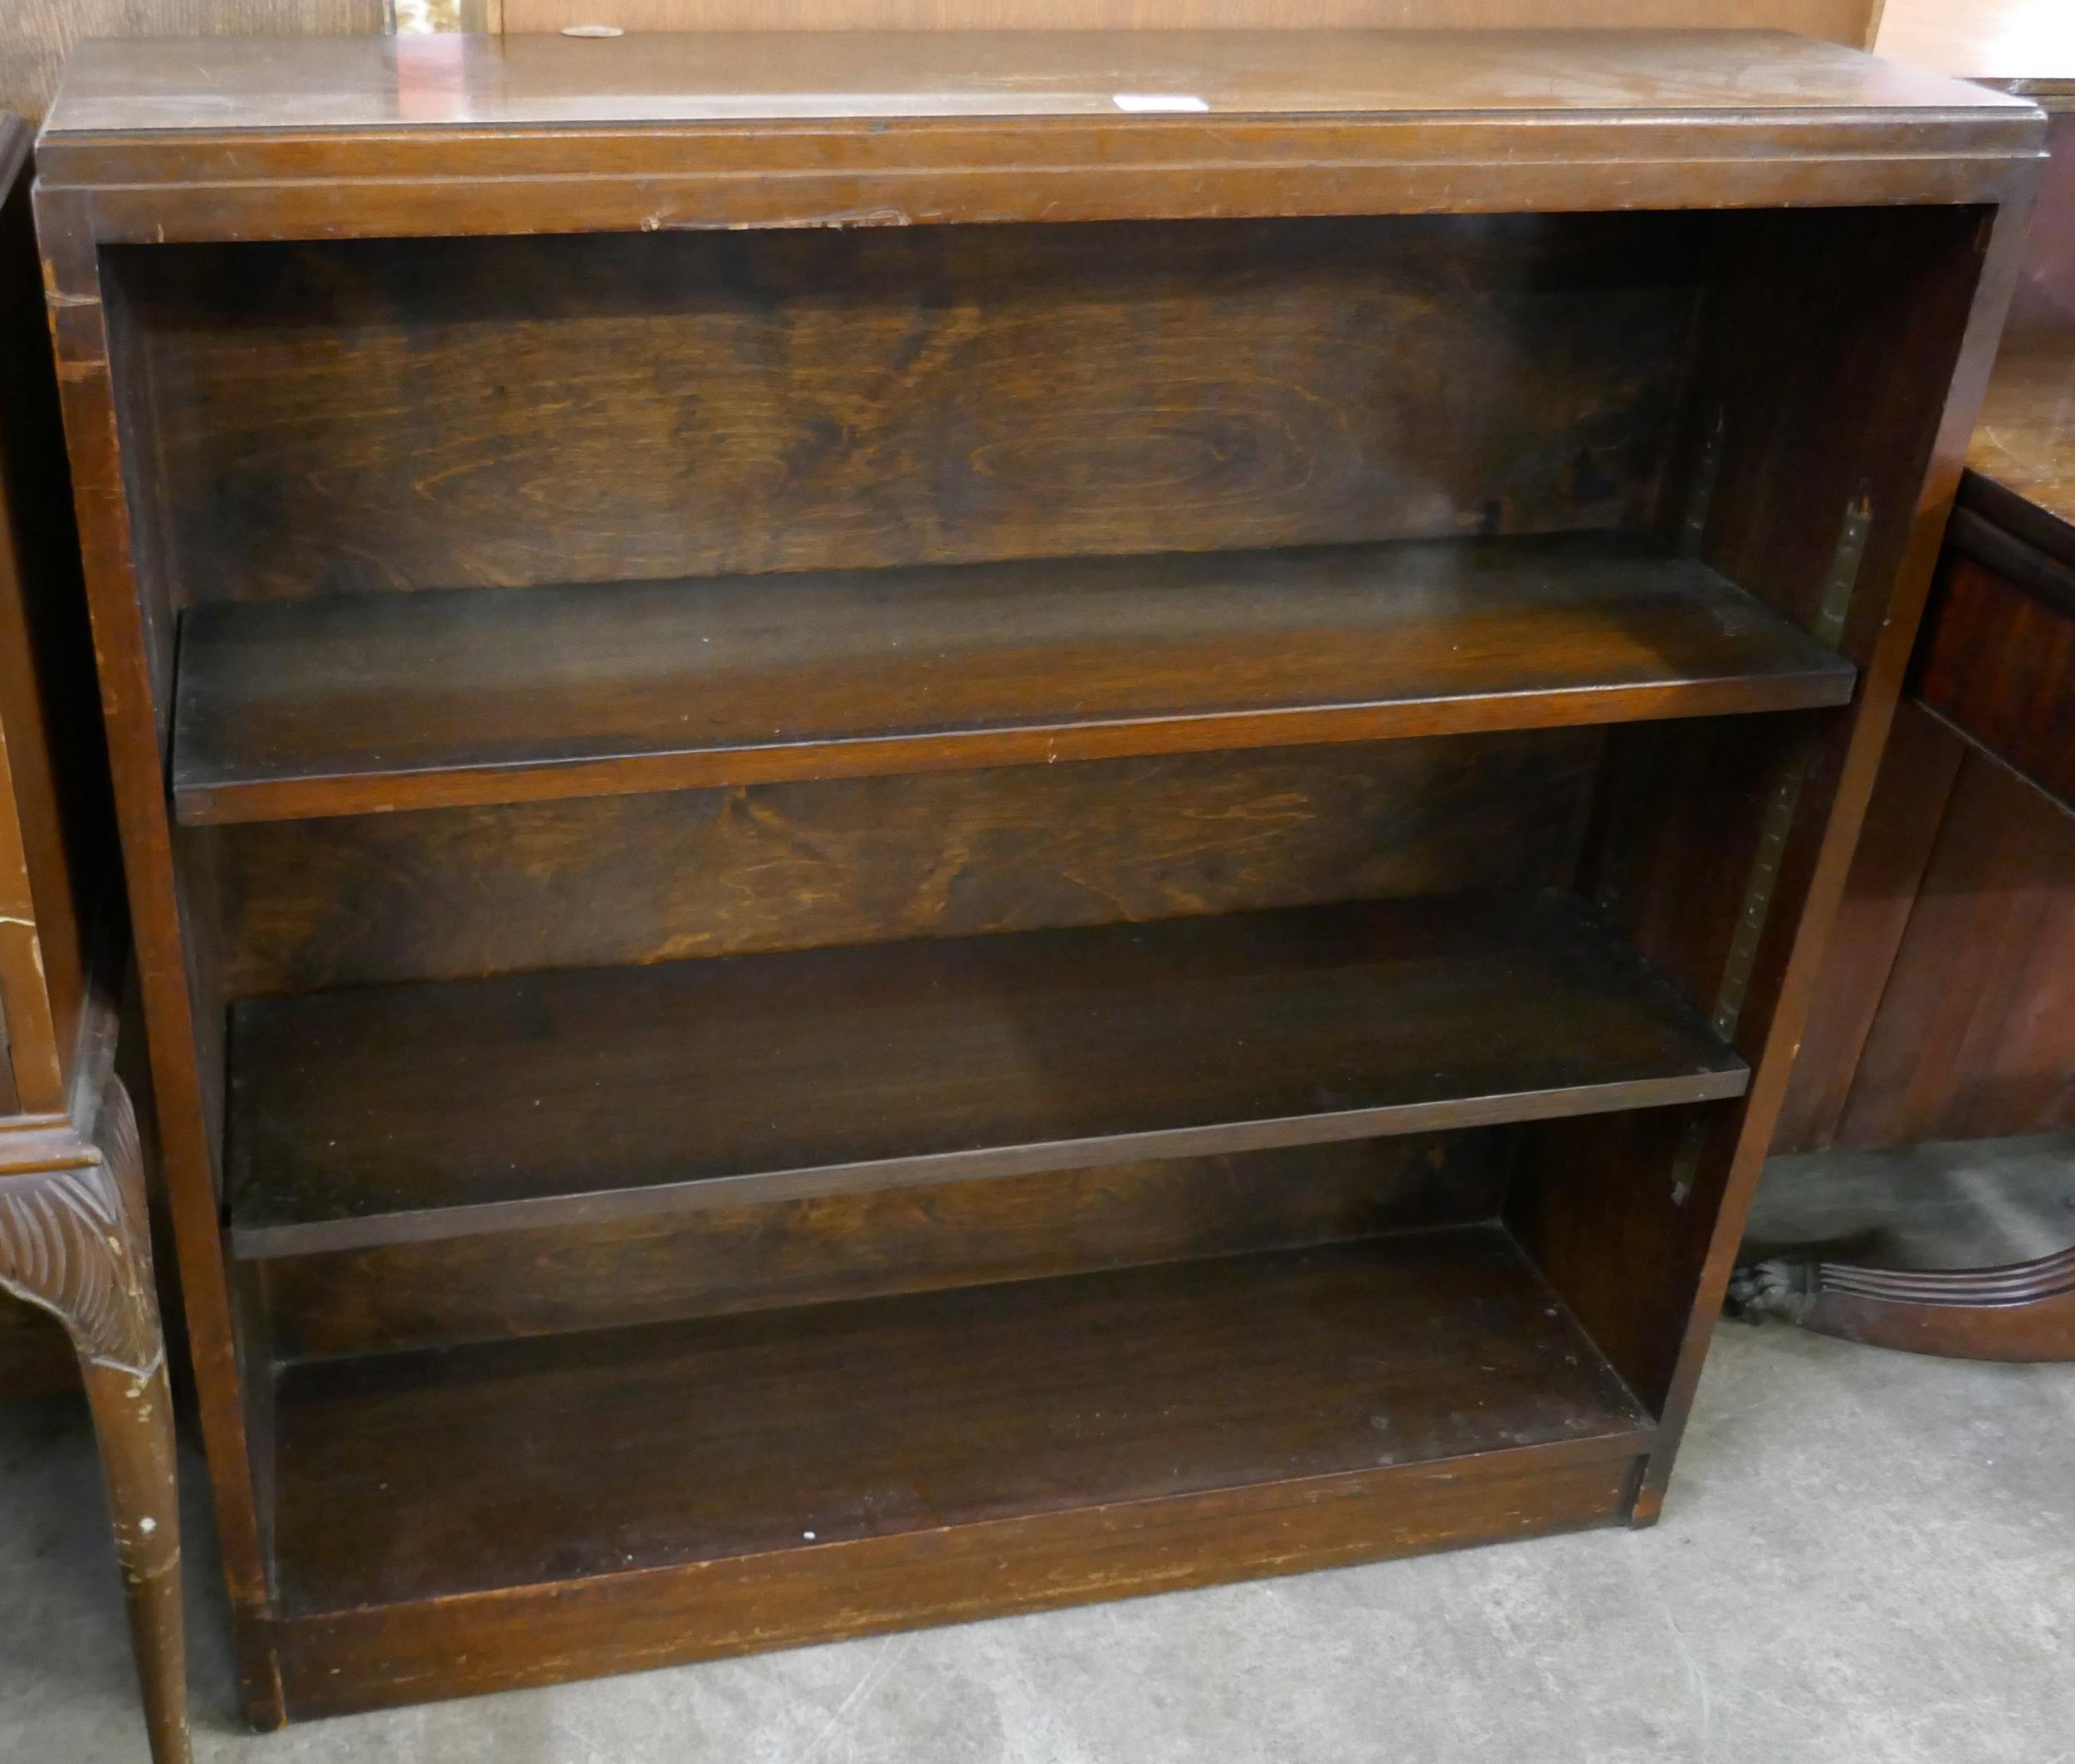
(1868, 1558)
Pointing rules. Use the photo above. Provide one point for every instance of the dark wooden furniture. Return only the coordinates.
(974, 822)
(36, 34)
(1947, 1010)
(75, 1240)
(1849, 21)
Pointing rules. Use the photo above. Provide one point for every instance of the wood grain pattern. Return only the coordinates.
(77, 1243)
(1825, 336)
(1680, 817)
(1998, 662)
(1908, 807)
(775, 1077)
(55, 1230)
(836, 1248)
(39, 33)
(1936, 1019)
(35, 1047)
(1840, 21)
(56, 865)
(1616, 1211)
(132, 1407)
(1966, 1047)
(349, 139)
(339, 1662)
(733, 1435)
(591, 883)
(2021, 463)
(1811, 313)
(1817, 426)
(262, 88)
(360, 704)
(463, 413)
(120, 588)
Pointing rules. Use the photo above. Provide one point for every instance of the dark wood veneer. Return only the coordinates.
(354, 703)
(774, 1077)
(1342, 1403)
(590, 603)
(744, 1435)
(591, 882)
(664, 1265)
(832, 399)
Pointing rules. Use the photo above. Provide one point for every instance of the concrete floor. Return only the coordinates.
(1868, 1558)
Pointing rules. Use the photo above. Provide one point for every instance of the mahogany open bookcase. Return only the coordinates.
(923, 826)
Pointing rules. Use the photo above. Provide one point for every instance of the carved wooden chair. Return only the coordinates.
(74, 1236)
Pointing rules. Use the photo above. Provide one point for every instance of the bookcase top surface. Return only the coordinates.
(212, 85)
(229, 138)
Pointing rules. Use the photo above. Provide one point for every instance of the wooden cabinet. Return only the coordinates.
(1949, 1008)
(1947, 1004)
(1946, 1010)
(961, 823)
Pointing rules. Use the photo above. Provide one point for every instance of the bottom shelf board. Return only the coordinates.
(786, 1476)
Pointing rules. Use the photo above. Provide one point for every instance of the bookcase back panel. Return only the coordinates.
(663, 1266)
(1809, 314)
(603, 881)
(333, 417)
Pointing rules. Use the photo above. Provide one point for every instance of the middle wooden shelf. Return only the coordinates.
(597, 1092)
(364, 703)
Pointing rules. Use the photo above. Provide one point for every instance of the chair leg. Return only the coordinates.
(77, 1243)
(133, 1419)
(2024, 1311)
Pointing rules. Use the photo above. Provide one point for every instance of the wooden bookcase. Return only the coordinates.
(906, 845)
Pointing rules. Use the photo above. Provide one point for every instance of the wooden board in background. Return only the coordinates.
(1976, 1036)
(36, 34)
(1909, 796)
(1841, 21)
(2000, 666)
(371, 416)
(598, 882)
(661, 1268)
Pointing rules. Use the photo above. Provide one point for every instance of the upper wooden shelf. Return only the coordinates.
(349, 705)
(272, 138)
(773, 1076)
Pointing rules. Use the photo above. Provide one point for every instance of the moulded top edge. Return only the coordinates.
(213, 86)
